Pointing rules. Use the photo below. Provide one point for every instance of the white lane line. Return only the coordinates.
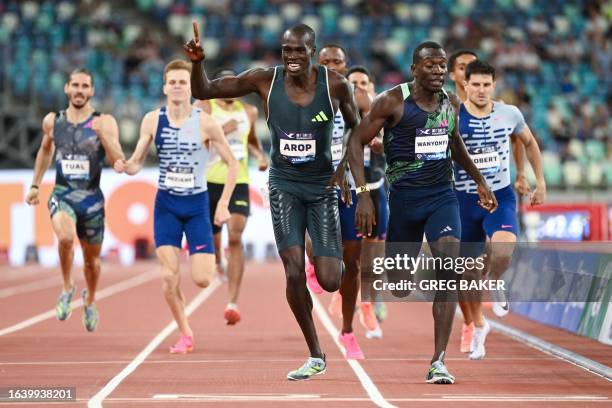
(323, 398)
(96, 400)
(30, 287)
(104, 293)
(551, 349)
(364, 379)
(243, 361)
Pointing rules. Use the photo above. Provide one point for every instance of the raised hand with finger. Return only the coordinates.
(193, 48)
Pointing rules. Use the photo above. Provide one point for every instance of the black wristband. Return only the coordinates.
(34, 186)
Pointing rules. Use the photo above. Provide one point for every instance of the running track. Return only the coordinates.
(126, 363)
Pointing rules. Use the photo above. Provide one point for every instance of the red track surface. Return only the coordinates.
(246, 364)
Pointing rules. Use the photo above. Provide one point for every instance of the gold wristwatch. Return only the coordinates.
(362, 189)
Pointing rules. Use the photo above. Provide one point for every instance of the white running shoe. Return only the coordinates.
(501, 307)
(374, 334)
(478, 342)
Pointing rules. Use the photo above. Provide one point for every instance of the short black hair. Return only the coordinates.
(335, 45)
(360, 68)
(80, 71)
(416, 55)
(305, 30)
(453, 58)
(225, 71)
(479, 67)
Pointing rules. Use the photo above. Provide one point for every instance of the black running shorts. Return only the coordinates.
(297, 208)
(239, 202)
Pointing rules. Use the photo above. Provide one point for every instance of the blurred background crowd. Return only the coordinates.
(553, 57)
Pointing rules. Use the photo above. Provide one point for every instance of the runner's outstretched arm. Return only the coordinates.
(107, 130)
(225, 87)
(135, 163)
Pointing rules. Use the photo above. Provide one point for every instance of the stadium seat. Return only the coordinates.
(552, 169)
(349, 25)
(595, 174)
(595, 150)
(576, 149)
(572, 174)
(291, 12)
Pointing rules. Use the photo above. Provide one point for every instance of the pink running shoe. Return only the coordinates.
(183, 346)
(353, 351)
(335, 304)
(367, 318)
(467, 330)
(311, 279)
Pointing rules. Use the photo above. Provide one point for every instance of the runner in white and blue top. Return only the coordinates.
(486, 128)
(488, 142)
(182, 157)
(182, 134)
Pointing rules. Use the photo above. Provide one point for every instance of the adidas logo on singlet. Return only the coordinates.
(321, 117)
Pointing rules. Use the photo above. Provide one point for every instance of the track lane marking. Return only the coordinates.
(365, 380)
(96, 400)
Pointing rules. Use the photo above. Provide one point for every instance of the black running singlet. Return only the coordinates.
(79, 154)
(301, 136)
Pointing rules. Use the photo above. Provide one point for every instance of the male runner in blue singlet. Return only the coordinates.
(420, 119)
(487, 127)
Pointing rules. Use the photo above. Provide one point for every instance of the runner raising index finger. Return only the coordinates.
(193, 47)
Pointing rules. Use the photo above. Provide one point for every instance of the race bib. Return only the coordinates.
(238, 149)
(180, 177)
(298, 151)
(336, 151)
(367, 154)
(486, 159)
(431, 144)
(76, 168)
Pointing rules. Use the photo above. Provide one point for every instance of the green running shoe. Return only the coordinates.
(90, 314)
(380, 310)
(63, 308)
(438, 373)
(312, 366)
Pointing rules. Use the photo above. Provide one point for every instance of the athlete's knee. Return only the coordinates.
(235, 239)
(500, 260)
(202, 281)
(91, 263)
(329, 275)
(296, 276)
(170, 281)
(65, 239)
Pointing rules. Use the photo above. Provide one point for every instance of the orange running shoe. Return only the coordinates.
(467, 330)
(367, 318)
